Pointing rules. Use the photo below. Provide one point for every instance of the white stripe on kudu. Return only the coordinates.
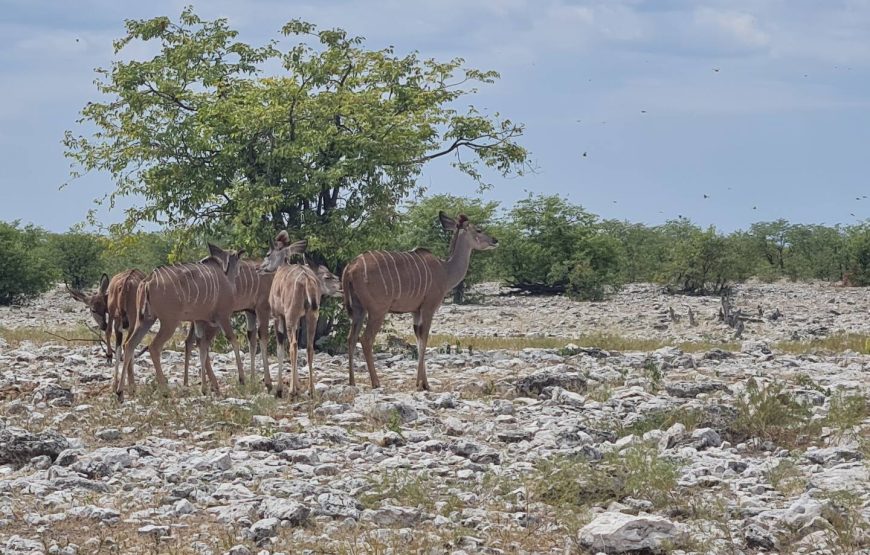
(418, 285)
(398, 276)
(380, 269)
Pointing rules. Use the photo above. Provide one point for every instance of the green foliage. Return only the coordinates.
(552, 245)
(24, 268)
(215, 141)
(772, 414)
(858, 245)
(637, 471)
(78, 258)
(144, 251)
(699, 262)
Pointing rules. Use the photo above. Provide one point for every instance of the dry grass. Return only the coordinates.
(787, 477)
(77, 336)
(607, 342)
(859, 343)
(179, 410)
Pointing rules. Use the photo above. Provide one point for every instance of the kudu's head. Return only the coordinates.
(281, 251)
(97, 303)
(466, 232)
(330, 284)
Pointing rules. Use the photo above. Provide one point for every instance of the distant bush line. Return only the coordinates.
(546, 244)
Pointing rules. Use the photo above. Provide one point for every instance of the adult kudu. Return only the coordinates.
(295, 294)
(193, 292)
(251, 296)
(378, 282)
(113, 308)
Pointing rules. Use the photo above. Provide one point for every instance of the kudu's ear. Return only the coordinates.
(216, 251)
(282, 239)
(462, 221)
(76, 294)
(104, 284)
(448, 223)
(297, 247)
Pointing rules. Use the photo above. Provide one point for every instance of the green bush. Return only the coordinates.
(78, 258)
(859, 255)
(24, 271)
(550, 245)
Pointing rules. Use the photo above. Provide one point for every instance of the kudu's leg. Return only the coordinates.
(189, 342)
(227, 327)
(422, 324)
(263, 332)
(311, 329)
(110, 326)
(206, 335)
(293, 338)
(368, 342)
(143, 324)
(281, 339)
(167, 328)
(357, 317)
(251, 323)
(119, 335)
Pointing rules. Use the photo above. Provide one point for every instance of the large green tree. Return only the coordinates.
(314, 133)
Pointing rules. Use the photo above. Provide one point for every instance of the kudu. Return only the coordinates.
(251, 296)
(113, 308)
(98, 305)
(378, 282)
(193, 292)
(295, 294)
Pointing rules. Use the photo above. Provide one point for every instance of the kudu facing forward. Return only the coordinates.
(295, 294)
(378, 282)
(194, 292)
(98, 305)
(251, 296)
(113, 308)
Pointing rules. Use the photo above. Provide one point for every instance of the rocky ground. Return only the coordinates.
(720, 446)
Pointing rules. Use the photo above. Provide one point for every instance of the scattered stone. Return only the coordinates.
(561, 375)
(615, 532)
(18, 446)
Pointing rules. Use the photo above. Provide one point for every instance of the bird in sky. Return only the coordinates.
(584, 154)
(706, 195)
(716, 69)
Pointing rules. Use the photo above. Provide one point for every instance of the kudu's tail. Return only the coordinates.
(347, 292)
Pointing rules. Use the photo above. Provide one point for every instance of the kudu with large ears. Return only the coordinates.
(376, 283)
(97, 302)
(251, 296)
(98, 306)
(194, 292)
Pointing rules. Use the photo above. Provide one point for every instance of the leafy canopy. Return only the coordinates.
(219, 137)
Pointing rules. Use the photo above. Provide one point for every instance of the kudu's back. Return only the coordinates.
(192, 291)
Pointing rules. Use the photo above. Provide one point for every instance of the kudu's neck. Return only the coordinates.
(458, 260)
(233, 270)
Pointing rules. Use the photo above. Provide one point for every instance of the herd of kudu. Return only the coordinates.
(207, 293)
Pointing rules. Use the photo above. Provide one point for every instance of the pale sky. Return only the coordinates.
(761, 104)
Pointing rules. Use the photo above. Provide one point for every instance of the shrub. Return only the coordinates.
(78, 258)
(24, 272)
(550, 245)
